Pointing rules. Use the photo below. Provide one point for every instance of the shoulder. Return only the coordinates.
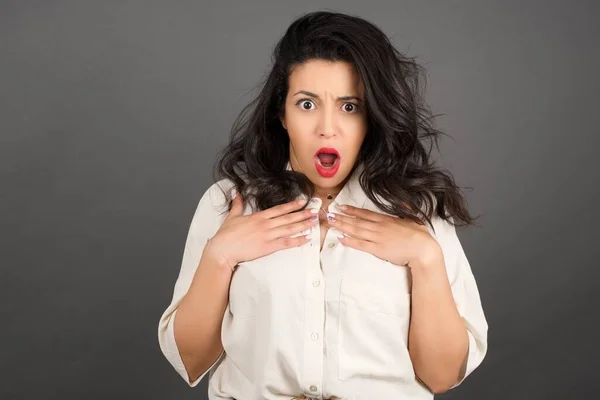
(442, 229)
(212, 209)
(218, 191)
(214, 201)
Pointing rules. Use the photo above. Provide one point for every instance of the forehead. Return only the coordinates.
(321, 76)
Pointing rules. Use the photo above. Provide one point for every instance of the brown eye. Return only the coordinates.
(350, 107)
(305, 104)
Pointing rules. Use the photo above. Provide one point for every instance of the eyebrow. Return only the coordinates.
(343, 98)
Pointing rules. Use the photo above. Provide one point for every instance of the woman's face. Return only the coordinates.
(325, 111)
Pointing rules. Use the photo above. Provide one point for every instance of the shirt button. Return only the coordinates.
(331, 245)
(316, 283)
(314, 336)
(312, 388)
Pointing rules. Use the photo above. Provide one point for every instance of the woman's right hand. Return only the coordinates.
(246, 237)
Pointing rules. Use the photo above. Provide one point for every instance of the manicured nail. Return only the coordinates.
(314, 219)
(309, 236)
(331, 217)
(342, 207)
(314, 210)
(233, 194)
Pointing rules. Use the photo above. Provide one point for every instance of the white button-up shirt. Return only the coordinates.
(330, 323)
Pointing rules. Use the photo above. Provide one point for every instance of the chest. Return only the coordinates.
(303, 272)
(323, 230)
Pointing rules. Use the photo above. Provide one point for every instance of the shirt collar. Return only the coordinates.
(351, 193)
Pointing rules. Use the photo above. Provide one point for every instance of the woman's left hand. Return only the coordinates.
(399, 241)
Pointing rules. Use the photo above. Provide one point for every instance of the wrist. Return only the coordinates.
(216, 257)
(430, 259)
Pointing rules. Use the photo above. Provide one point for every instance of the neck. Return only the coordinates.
(327, 194)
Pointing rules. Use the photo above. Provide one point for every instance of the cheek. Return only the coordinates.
(301, 124)
(299, 139)
(357, 134)
(355, 125)
(300, 131)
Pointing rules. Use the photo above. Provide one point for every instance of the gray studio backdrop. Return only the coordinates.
(111, 113)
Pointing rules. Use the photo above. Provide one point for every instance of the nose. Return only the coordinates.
(327, 126)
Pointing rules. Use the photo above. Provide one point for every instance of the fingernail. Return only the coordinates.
(309, 236)
(314, 210)
(233, 194)
(331, 216)
(314, 219)
(342, 207)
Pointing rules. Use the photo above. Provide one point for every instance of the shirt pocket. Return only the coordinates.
(373, 332)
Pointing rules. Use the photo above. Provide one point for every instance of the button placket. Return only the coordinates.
(315, 230)
(315, 315)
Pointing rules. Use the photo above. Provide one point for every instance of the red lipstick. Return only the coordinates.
(327, 161)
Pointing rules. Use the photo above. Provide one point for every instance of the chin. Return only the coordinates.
(332, 182)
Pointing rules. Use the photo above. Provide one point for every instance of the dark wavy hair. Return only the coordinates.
(397, 165)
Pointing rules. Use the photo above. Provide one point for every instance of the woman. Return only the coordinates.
(336, 271)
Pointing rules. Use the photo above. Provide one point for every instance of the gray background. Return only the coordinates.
(111, 113)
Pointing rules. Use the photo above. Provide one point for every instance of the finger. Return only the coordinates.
(293, 217)
(362, 213)
(344, 220)
(292, 229)
(286, 243)
(354, 230)
(282, 209)
(357, 244)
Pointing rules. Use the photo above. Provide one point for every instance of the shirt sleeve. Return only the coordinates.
(466, 295)
(205, 222)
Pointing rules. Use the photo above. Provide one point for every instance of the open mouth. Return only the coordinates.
(327, 161)
(327, 157)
